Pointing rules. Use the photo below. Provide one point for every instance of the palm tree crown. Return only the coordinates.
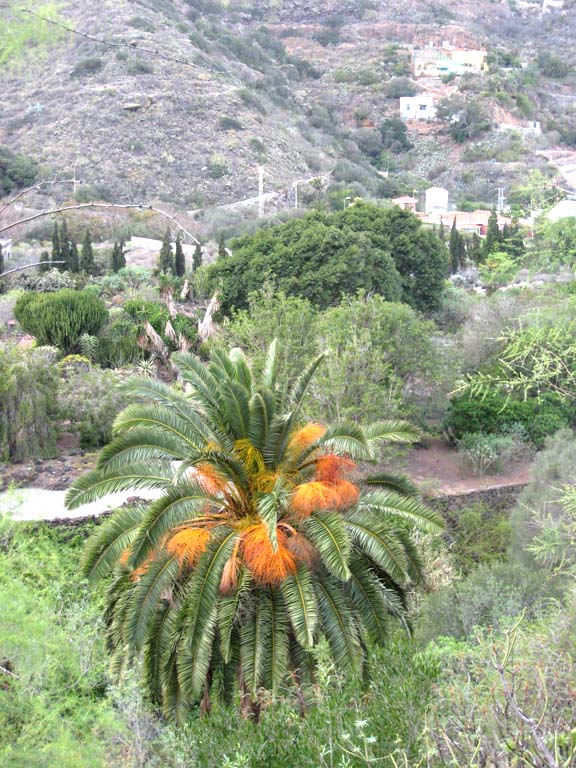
(261, 541)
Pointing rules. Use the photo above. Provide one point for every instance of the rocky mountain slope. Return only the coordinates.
(189, 97)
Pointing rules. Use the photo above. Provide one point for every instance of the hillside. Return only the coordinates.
(189, 97)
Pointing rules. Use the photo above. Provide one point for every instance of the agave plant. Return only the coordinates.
(261, 541)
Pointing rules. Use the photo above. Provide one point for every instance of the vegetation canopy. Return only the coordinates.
(261, 542)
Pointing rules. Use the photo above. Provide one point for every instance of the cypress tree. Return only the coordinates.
(455, 247)
(493, 235)
(222, 252)
(114, 258)
(56, 250)
(65, 248)
(197, 258)
(166, 255)
(1, 260)
(474, 249)
(121, 254)
(442, 231)
(44, 262)
(87, 264)
(74, 258)
(179, 260)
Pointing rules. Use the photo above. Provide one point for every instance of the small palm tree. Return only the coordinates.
(260, 543)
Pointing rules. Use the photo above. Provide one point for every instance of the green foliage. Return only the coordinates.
(323, 257)
(395, 135)
(466, 118)
(227, 616)
(179, 258)
(400, 86)
(86, 67)
(16, 171)
(87, 264)
(22, 33)
(227, 123)
(493, 235)
(118, 257)
(28, 387)
(44, 263)
(490, 454)
(495, 413)
(140, 311)
(89, 398)
(118, 342)
(479, 535)
(59, 319)
(498, 270)
(551, 66)
(166, 256)
(197, 258)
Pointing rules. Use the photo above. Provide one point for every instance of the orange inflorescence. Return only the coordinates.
(331, 468)
(141, 570)
(301, 548)
(313, 496)
(188, 545)
(209, 479)
(124, 557)
(267, 566)
(265, 481)
(346, 494)
(305, 436)
(229, 580)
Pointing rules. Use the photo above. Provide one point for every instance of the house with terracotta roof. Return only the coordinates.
(406, 202)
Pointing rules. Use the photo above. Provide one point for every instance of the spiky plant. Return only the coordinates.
(260, 543)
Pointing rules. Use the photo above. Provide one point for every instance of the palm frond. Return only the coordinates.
(366, 595)
(270, 366)
(242, 372)
(298, 594)
(391, 431)
(391, 482)
(395, 505)
(327, 532)
(337, 623)
(142, 446)
(271, 507)
(102, 482)
(145, 597)
(254, 639)
(300, 386)
(192, 432)
(156, 649)
(378, 541)
(110, 540)
(228, 613)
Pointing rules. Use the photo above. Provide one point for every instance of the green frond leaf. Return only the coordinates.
(271, 507)
(300, 601)
(391, 431)
(391, 482)
(366, 594)
(145, 597)
(109, 541)
(142, 446)
(101, 482)
(192, 431)
(228, 613)
(270, 366)
(395, 505)
(379, 542)
(337, 623)
(327, 532)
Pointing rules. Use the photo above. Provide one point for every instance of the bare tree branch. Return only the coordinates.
(131, 46)
(80, 206)
(31, 189)
(29, 266)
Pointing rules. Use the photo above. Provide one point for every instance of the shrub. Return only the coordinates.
(87, 67)
(28, 388)
(139, 67)
(59, 319)
(46, 282)
(227, 123)
(15, 171)
(490, 454)
(90, 400)
(479, 535)
(118, 343)
(400, 86)
(217, 166)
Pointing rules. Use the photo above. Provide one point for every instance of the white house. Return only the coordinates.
(417, 107)
(565, 209)
(6, 246)
(436, 200)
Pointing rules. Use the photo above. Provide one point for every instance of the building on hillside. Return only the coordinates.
(435, 62)
(473, 221)
(421, 107)
(406, 202)
(565, 209)
(6, 246)
(531, 128)
(436, 200)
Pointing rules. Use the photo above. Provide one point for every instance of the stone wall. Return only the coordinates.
(497, 499)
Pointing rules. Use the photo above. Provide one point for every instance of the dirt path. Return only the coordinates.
(438, 471)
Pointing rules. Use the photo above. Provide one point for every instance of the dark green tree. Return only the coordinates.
(166, 255)
(197, 258)
(65, 248)
(493, 235)
(74, 261)
(118, 260)
(179, 259)
(56, 248)
(442, 232)
(456, 248)
(474, 249)
(121, 254)
(87, 264)
(222, 252)
(512, 240)
(45, 264)
(1, 268)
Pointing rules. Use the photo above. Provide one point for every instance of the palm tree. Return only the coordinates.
(260, 543)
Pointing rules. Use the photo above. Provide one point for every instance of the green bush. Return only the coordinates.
(494, 412)
(490, 454)
(227, 123)
(15, 171)
(478, 535)
(118, 342)
(28, 408)
(87, 67)
(59, 319)
(90, 400)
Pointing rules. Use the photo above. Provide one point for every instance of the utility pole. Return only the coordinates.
(74, 181)
(260, 190)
